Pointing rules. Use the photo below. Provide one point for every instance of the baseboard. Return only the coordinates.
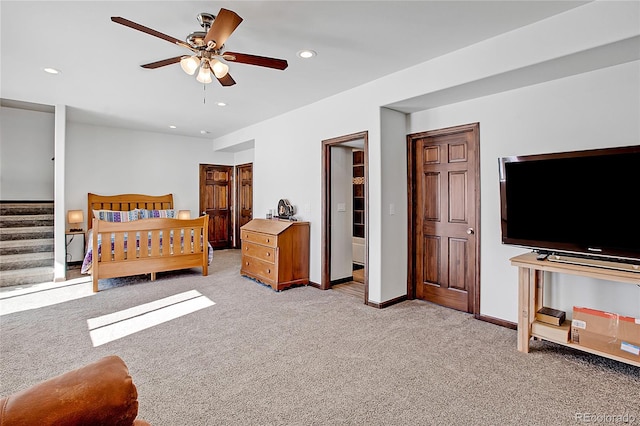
(497, 321)
(316, 285)
(388, 303)
(26, 201)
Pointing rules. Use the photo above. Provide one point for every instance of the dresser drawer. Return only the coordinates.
(268, 254)
(264, 271)
(259, 238)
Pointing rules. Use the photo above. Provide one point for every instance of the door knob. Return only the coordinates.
(470, 231)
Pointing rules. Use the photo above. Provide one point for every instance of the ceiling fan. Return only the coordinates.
(206, 47)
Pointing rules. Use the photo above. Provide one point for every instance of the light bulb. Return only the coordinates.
(306, 54)
(189, 64)
(220, 69)
(204, 76)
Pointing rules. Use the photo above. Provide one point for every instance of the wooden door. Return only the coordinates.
(215, 200)
(244, 198)
(445, 215)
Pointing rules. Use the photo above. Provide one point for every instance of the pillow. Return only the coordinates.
(149, 214)
(116, 216)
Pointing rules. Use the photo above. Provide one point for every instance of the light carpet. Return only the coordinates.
(309, 357)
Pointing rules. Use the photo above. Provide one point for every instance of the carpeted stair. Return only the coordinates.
(26, 242)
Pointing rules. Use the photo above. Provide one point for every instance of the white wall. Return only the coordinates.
(341, 219)
(288, 162)
(592, 110)
(59, 223)
(243, 157)
(394, 204)
(109, 161)
(26, 150)
(288, 148)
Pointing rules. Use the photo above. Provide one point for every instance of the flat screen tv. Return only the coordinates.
(584, 203)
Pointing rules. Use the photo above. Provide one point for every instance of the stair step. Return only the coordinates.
(25, 260)
(26, 220)
(16, 208)
(26, 233)
(26, 242)
(26, 246)
(26, 276)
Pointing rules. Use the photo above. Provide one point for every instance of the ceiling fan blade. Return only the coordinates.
(164, 62)
(227, 80)
(261, 61)
(225, 23)
(147, 30)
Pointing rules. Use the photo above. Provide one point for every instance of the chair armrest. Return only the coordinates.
(100, 393)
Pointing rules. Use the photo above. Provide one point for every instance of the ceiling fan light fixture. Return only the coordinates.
(206, 48)
(190, 64)
(220, 69)
(204, 76)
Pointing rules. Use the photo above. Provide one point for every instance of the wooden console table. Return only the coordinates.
(530, 295)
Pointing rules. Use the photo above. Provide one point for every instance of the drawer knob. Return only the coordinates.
(268, 240)
(268, 271)
(247, 263)
(247, 248)
(268, 254)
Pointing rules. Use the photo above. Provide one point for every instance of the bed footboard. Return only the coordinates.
(148, 246)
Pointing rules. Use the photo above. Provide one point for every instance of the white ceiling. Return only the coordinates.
(357, 41)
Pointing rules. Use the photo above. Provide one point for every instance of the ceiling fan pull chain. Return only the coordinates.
(204, 94)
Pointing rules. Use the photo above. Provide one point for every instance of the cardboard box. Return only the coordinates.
(554, 333)
(607, 332)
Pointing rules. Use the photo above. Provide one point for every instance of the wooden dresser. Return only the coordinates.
(276, 252)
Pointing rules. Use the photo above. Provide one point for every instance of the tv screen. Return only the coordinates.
(580, 202)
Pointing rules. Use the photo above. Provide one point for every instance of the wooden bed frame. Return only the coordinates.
(148, 258)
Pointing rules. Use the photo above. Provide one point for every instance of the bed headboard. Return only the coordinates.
(127, 202)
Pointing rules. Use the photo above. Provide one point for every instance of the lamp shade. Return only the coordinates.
(189, 64)
(219, 69)
(184, 214)
(75, 217)
(204, 76)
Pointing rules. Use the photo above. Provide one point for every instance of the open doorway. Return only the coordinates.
(345, 214)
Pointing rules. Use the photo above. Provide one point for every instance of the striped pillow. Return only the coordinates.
(116, 216)
(149, 214)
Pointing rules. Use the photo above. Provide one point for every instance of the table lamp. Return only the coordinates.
(75, 219)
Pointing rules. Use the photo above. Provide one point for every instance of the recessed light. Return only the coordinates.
(221, 104)
(172, 127)
(306, 54)
(52, 71)
(204, 132)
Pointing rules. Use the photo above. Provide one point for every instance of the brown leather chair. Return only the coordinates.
(100, 393)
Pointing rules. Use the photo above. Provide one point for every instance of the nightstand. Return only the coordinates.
(68, 241)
